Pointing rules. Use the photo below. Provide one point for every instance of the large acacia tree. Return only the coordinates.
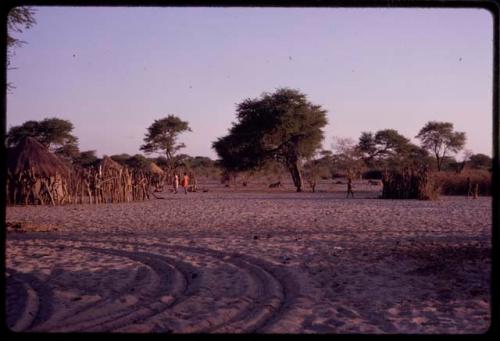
(389, 149)
(162, 137)
(440, 139)
(382, 145)
(282, 126)
(53, 133)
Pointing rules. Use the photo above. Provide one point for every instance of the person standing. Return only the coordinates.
(185, 182)
(469, 188)
(476, 191)
(349, 187)
(193, 181)
(176, 183)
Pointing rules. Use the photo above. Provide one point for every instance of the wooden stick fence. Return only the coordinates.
(84, 185)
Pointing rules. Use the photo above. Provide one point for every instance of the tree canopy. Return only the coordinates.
(366, 146)
(440, 139)
(388, 149)
(480, 161)
(53, 133)
(86, 158)
(121, 158)
(138, 161)
(282, 126)
(316, 168)
(69, 153)
(383, 144)
(18, 19)
(162, 137)
(348, 157)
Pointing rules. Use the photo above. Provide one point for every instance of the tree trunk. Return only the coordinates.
(438, 160)
(293, 167)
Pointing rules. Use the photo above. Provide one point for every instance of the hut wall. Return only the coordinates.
(28, 188)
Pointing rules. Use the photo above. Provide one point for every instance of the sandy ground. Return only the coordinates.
(266, 262)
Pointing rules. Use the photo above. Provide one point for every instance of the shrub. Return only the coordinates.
(409, 184)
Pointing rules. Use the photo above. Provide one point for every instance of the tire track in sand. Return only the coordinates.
(37, 297)
(162, 279)
(268, 296)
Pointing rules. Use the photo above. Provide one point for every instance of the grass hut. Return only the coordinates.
(155, 169)
(158, 176)
(36, 176)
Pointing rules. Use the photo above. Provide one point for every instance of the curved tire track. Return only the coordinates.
(154, 285)
(270, 294)
(37, 306)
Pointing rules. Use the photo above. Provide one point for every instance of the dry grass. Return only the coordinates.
(409, 184)
(452, 183)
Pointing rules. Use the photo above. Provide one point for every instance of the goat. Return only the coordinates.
(276, 184)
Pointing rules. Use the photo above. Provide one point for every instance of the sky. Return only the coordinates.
(113, 71)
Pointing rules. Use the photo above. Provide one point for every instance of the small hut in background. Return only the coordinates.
(158, 176)
(36, 176)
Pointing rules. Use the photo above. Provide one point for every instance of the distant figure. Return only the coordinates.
(194, 181)
(175, 183)
(349, 188)
(185, 182)
(469, 188)
(476, 191)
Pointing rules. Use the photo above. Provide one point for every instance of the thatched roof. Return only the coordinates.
(155, 169)
(31, 154)
(108, 163)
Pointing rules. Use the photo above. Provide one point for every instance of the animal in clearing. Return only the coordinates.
(276, 184)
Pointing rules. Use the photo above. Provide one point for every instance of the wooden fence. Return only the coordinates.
(93, 185)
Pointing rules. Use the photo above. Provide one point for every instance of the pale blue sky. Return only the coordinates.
(113, 71)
